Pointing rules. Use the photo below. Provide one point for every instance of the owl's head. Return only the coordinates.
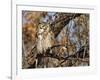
(43, 27)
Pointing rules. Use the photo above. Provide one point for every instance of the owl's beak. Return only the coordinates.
(40, 31)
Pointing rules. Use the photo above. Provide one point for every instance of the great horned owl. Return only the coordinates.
(44, 37)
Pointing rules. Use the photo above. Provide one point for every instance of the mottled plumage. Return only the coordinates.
(44, 37)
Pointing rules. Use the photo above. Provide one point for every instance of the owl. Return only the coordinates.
(44, 37)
